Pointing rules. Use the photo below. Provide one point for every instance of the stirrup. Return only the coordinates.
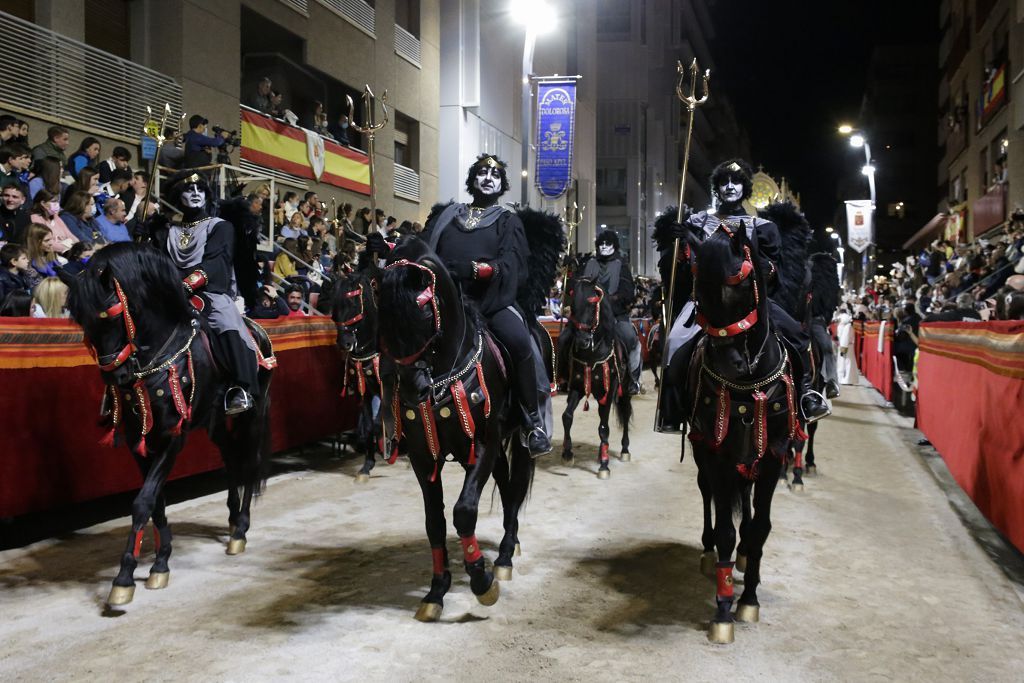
(814, 418)
(245, 404)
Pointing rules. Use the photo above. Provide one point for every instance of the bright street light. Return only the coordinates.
(828, 229)
(868, 170)
(856, 140)
(845, 129)
(537, 15)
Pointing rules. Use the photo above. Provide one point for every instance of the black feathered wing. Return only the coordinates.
(247, 235)
(795, 233)
(546, 241)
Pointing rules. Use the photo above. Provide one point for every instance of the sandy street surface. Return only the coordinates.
(868, 575)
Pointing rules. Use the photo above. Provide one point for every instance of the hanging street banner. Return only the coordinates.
(556, 125)
(859, 228)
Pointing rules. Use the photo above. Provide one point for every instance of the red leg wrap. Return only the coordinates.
(138, 542)
(723, 575)
(440, 565)
(470, 548)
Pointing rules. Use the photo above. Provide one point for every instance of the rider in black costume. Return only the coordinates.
(731, 183)
(484, 248)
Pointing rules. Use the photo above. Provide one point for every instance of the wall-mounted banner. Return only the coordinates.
(858, 224)
(556, 126)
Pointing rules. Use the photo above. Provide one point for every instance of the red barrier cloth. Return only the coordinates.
(970, 394)
(874, 365)
(50, 398)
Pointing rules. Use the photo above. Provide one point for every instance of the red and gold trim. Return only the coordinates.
(470, 548)
(724, 581)
(197, 279)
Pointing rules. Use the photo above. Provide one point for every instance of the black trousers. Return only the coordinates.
(237, 360)
(511, 331)
(794, 334)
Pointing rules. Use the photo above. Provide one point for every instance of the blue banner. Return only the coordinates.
(556, 126)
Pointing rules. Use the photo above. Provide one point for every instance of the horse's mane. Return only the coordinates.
(147, 277)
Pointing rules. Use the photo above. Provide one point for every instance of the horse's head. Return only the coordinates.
(410, 296)
(127, 299)
(586, 299)
(354, 311)
(730, 295)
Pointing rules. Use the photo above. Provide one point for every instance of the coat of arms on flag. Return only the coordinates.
(315, 151)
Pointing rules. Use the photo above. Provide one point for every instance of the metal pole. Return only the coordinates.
(527, 113)
(370, 128)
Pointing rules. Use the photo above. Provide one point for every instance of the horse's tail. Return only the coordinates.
(623, 407)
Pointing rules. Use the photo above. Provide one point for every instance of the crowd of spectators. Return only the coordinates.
(268, 101)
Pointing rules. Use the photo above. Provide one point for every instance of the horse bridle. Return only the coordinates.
(747, 321)
(596, 300)
(428, 295)
(359, 293)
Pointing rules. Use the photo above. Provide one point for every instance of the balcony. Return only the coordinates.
(990, 210)
(300, 6)
(407, 183)
(356, 12)
(407, 46)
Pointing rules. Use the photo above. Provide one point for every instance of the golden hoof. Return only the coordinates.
(741, 563)
(518, 551)
(603, 474)
(121, 595)
(491, 596)
(231, 529)
(428, 612)
(721, 633)
(236, 546)
(749, 614)
(157, 580)
(811, 470)
(707, 563)
(503, 573)
(362, 478)
(796, 488)
(625, 456)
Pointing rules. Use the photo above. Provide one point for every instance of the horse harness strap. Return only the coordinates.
(362, 367)
(604, 367)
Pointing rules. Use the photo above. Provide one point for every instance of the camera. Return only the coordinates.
(233, 138)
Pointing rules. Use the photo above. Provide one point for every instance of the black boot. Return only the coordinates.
(533, 435)
(812, 404)
(237, 400)
(831, 389)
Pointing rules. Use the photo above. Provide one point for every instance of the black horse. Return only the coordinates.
(742, 414)
(451, 397)
(595, 363)
(354, 310)
(162, 382)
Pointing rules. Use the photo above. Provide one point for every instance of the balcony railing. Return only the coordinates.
(356, 12)
(300, 6)
(407, 45)
(407, 183)
(62, 78)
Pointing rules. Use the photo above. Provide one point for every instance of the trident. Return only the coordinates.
(154, 129)
(692, 102)
(572, 224)
(370, 130)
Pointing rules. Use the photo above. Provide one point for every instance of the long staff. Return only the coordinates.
(692, 102)
(370, 128)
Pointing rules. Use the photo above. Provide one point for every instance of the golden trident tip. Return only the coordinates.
(692, 101)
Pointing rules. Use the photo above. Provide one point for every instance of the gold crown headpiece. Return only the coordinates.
(490, 160)
(734, 167)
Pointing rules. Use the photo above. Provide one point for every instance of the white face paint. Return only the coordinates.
(731, 191)
(193, 197)
(605, 250)
(487, 180)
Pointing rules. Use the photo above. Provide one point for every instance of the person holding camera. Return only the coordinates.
(198, 145)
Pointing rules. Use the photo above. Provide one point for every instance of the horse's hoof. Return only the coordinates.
(708, 560)
(796, 488)
(502, 573)
(603, 474)
(121, 595)
(362, 478)
(231, 529)
(236, 546)
(625, 456)
(518, 551)
(811, 470)
(721, 633)
(741, 563)
(568, 460)
(491, 596)
(157, 580)
(749, 614)
(428, 612)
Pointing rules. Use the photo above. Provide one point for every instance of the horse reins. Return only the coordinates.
(596, 300)
(428, 295)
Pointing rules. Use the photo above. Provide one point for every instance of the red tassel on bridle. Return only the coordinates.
(464, 409)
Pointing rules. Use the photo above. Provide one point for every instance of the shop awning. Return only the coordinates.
(929, 229)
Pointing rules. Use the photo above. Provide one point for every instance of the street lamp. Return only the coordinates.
(859, 141)
(538, 17)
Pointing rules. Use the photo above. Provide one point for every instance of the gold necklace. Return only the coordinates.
(475, 214)
(186, 233)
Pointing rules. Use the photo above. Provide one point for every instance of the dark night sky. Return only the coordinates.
(795, 69)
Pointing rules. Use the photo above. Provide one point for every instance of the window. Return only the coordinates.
(107, 27)
(407, 15)
(613, 18)
(407, 141)
(611, 186)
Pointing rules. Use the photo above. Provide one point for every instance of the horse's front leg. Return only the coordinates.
(571, 401)
(745, 515)
(625, 413)
(155, 466)
(748, 609)
(603, 431)
(464, 516)
(798, 467)
(809, 467)
(436, 525)
(160, 573)
(724, 482)
(371, 422)
(708, 557)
